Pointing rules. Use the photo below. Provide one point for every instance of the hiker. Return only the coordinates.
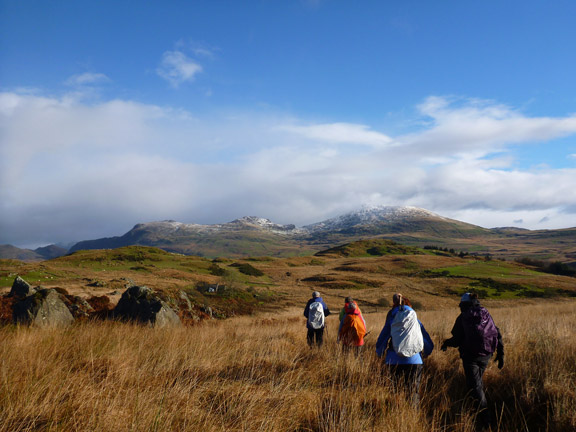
(347, 302)
(406, 343)
(477, 338)
(352, 328)
(315, 312)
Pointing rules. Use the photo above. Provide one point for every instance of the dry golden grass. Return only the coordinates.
(257, 374)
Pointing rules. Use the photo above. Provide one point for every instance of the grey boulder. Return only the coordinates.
(43, 308)
(141, 304)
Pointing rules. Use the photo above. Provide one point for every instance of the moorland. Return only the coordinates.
(249, 368)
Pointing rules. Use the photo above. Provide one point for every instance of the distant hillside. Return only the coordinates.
(39, 254)
(12, 252)
(255, 236)
(248, 236)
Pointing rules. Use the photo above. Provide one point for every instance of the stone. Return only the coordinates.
(185, 301)
(79, 307)
(207, 310)
(141, 304)
(21, 289)
(44, 308)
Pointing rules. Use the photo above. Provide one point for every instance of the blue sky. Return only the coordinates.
(120, 112)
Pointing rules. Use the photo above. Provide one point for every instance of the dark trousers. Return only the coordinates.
(408, 377)
(474, 371)
(315, 334)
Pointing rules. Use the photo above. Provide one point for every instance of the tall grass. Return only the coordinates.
(257, 374)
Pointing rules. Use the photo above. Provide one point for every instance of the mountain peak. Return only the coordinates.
(254, 220)
(370, 214)
(264, 224)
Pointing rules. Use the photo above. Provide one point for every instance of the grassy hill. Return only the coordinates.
(370, 248)
(372, 269)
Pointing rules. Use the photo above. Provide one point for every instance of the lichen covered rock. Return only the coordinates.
(21, 289)
(44, 308)
(141, 304)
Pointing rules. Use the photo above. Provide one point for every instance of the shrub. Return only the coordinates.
(100, 303)
(417, 305)
(556, 267)
(247, 269)
(6, 304)
(216, 270)
(384, 302)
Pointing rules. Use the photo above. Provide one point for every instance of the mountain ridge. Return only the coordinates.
(257, 236)
(366, 221)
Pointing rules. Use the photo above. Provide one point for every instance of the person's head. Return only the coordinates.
(351, 308)
(397, 299)
(467, 300)
(315, 294)
(348, 300)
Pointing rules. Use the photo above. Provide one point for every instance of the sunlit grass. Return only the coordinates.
(257, 374)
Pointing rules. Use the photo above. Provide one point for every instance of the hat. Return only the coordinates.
(315, 294)
(466, 298)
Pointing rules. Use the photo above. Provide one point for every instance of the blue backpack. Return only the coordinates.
(481, 334)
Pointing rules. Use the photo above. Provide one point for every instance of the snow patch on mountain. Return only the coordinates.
(255, 222)
(373, 214)
(246, 222)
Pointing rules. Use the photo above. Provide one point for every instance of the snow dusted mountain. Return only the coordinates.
(249, 235)
(370, 215)
(405, 223)
(252, 235)
(248, 223)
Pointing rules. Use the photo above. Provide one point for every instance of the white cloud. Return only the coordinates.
(481, 127)
(70, 170)
(177, 68)
(341, 133)
(87, 79)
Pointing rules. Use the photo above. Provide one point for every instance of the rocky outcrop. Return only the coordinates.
(21, 289)
(141, 304)
(43, 308)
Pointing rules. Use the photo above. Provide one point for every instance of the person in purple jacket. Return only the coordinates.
(477, 338)
(406, 371)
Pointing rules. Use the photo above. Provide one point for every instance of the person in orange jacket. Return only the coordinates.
(352, 328)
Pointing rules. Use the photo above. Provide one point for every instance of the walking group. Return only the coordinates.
(405, 343)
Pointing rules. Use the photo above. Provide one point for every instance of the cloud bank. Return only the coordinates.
(73, 169)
